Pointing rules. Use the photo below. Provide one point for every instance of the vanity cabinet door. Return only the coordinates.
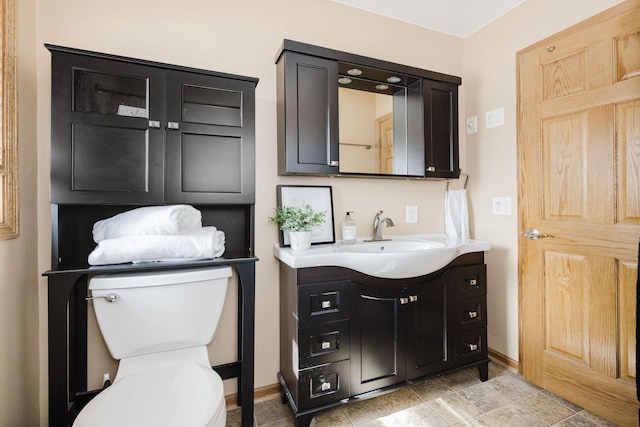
(209, 139)
(307, 115)
(440, 129)
(378, 339)
(429, 347)
(106, 141)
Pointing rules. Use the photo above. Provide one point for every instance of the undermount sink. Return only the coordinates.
(400, 257)
(392, 246)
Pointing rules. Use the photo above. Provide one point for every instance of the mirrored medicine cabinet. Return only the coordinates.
(342, 114)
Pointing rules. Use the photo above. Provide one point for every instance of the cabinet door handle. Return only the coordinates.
(325, 304)
(413, 298)
(473, 282)
(154, 124)
(473, 347)
(173, 125)
(325, 345)
(431, 169)
(334, 163)
(404, 300)
(325, 386)
(473, 314)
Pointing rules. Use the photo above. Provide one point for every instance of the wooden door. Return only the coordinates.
(384, 134)
(579, 182)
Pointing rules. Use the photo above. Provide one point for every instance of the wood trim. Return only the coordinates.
(9, 218)
(503, 359)
(259, 393)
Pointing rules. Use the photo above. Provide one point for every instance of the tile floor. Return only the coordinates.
(459, 399)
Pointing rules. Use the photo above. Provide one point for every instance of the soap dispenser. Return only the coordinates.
(349, 229)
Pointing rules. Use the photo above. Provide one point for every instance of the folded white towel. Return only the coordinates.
(456, 214)
(172, 219)
(203, 243)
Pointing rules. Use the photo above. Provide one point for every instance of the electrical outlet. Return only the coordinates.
(412, 215)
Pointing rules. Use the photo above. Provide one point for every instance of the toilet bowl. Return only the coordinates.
(158, 324)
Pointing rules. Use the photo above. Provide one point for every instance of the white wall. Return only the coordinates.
(489, 82)
(18, 275)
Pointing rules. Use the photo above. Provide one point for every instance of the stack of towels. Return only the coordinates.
(155, 233)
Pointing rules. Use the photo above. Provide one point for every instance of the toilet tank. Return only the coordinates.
(150, 312)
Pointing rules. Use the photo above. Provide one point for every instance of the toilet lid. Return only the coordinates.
(186, 395)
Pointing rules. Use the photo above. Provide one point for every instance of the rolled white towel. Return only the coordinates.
(203, 243)
(171, 219)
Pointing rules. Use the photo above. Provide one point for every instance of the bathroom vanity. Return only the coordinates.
(347, 334)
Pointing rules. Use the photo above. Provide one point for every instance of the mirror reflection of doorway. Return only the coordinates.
(384, 149)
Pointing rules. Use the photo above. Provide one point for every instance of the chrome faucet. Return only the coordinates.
(377, 226)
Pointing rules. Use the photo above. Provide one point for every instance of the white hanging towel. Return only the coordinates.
(456, 214)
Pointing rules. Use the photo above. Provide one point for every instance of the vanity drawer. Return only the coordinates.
(323, 344)
(471, 281)
(471, 346)
(471, 313)
(323, 302)
(323, 384)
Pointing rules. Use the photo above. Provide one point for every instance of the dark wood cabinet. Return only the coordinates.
(345, 334)
(127, 131)
(440, 129)
(308, 115)
(425, 113)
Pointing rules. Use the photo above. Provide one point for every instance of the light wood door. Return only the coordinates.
(579, 182)
(384, 134)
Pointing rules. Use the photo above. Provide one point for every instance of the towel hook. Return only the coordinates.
(466, 180)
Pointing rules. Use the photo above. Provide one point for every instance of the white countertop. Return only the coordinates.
(388, 265)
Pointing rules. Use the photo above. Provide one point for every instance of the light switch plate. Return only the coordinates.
(502, 205)
(472, 125)
(495, 118)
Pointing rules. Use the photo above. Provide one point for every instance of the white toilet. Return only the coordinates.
(158, 324)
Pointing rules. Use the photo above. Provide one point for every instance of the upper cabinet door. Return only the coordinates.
(308, 115)
(106, 141)
(210, 154)
(441, 129)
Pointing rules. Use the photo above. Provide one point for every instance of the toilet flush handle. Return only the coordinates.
(107, 297)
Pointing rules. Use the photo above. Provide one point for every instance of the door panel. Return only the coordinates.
(579, 165)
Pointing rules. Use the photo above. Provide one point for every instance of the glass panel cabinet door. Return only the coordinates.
(210, 149)
(107, 134)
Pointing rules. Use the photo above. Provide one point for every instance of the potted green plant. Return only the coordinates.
(298, 223)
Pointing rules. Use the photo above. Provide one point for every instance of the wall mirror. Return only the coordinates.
(373, 125)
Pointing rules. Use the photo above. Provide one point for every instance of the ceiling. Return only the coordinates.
(459, 18)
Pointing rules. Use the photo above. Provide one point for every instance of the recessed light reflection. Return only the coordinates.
(382, 87)
(393, 79)
(354, 72)
(344, 80)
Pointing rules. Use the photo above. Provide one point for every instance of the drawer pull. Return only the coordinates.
(404, 300)
(473, 282)
(473, 347)
(473, 314)
(325, 345)
(413, 298)
(326, 304)
(325, 386)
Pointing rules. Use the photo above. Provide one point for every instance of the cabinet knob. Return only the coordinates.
(325, 304)
(404, 300)
(334, 163)
(325, 345)
(473, 282)
(325, 386)
(154, 124)
(473, 347)
(473, 314)
(413, 298)
(173, 125)
(431, 169)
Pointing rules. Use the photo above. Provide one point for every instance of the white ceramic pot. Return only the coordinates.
(300, 240)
